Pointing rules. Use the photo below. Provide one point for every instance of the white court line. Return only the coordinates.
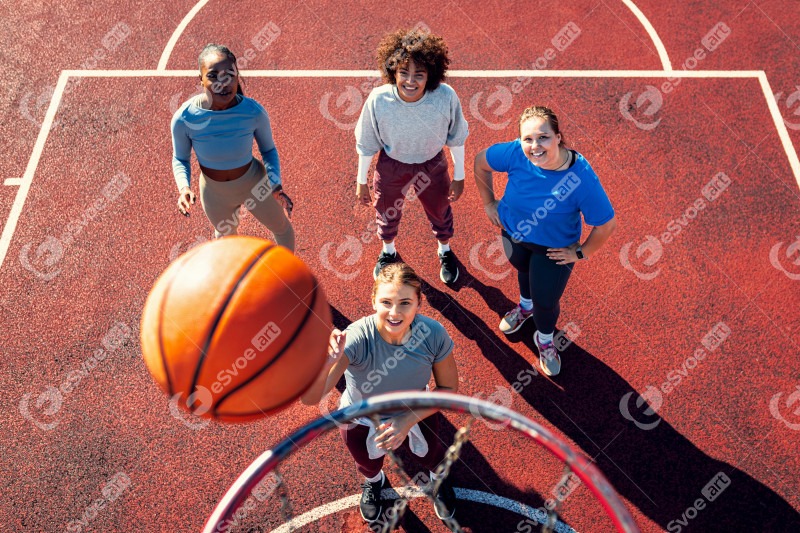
(30, 170)
(450, 73)
(13, 181)
(462, 494)
(162, 63)
(651, 31)
(780, 125)
(33, 162)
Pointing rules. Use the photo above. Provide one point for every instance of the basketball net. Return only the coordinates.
(574, 462)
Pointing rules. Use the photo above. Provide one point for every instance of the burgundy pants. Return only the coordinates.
(431, 183)
(355, 438)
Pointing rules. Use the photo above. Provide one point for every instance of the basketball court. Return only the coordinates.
(688, 114)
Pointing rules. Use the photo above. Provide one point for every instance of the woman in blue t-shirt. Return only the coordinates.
(392, 350)
(220, 125)
(549, 187)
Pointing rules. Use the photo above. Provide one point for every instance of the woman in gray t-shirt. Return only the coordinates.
(394, 349)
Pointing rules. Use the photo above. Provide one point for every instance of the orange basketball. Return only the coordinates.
(235, 329)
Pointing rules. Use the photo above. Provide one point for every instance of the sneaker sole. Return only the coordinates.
(440, 517)
(544, 368)
(454, 279)
(516, 329)
(371, 520)
(547, 372)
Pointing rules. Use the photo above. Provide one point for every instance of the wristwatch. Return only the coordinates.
(579, 252)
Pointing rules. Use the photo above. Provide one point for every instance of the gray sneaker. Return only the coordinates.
(549, 359)
(514, 319)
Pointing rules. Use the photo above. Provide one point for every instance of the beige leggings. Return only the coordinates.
(223, 200)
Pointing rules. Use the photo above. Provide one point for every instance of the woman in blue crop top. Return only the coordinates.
(220, 125)
(549, 188)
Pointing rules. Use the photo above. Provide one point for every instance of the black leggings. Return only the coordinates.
(540, 279)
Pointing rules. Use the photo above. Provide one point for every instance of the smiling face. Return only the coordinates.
(220, 79)
(541, 145)
(395, 307)
(411, 81)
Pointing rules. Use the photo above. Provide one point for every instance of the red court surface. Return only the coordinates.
(697, 288)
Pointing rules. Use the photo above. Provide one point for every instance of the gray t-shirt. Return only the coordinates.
(410, 132)
(377, 367)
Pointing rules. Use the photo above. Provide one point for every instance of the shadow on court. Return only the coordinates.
(660, 471)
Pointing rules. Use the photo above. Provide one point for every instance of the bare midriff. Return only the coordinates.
(225, 175)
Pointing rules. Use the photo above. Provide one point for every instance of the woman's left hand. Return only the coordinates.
(563, 256)
(456, 190)
(393, 433)
(284, 200)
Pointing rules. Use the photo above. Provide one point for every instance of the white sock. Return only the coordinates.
(377, 478)
(525, 303)
(444, 248)
(544, 339)
(389, 248)
(435, 476)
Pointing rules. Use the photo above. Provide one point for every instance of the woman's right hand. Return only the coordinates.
(185, 199)
(491, 212)
(336, 345)
(362, 192)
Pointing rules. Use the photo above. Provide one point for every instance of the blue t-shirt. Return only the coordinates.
(544, 206)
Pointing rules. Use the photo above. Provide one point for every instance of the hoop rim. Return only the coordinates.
(586, 471)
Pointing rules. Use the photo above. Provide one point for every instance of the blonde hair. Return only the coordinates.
(398, 274)
(540, 111)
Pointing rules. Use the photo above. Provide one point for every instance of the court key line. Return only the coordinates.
(162, 62)
(643, 20)
(25, 182)
(651, 31)
(469, 495)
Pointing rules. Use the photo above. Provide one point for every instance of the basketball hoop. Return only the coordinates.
(573, 460)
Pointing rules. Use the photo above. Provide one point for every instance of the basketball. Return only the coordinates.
(235, 329)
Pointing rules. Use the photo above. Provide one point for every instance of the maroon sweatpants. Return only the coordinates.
(431, 182)
(355, 438)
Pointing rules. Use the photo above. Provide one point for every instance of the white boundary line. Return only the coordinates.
(162, 63)
(780, 125)
(450, 73)
(651, 31)
(25, 182)
(462, 494)
(643, 20)
(30, 170)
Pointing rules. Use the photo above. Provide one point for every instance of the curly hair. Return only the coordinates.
(418, 45)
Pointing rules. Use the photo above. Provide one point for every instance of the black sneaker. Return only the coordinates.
(444, 500)
(371, 503)
(385, 259)
(449, 272)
